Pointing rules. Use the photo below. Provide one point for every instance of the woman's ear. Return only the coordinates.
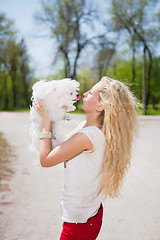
(100, 107)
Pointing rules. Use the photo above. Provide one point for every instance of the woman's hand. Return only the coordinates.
(39, 106)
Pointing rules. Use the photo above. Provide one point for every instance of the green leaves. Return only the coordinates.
(14, 68)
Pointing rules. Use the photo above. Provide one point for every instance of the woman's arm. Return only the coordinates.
(45, 146)
(65, 151)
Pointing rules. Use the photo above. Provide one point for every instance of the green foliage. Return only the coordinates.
(155, 82)
(59, 75)
(14, 68)
(85, 79)
(6, 154)
(151, 111)
(79, 109)
(69, 22)
(121, 70)
(135, 19)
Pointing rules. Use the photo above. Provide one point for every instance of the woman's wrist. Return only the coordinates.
(45, 135)
(46, 124)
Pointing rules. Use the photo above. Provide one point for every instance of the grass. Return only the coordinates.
(150, 110)
(15, 110)
(5, 163)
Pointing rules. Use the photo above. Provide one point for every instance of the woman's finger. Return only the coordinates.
(36, 102)
(40, 101)
(35, 105)
(39, 106)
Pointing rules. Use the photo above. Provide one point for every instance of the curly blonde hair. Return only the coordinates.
(119, 120)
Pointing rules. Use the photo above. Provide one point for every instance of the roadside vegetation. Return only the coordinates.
(5, 163)
(150, 110)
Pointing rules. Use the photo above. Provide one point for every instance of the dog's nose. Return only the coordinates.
(78, 97)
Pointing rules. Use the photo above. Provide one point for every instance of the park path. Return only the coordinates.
(30, 210)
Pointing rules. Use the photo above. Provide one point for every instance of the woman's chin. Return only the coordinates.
(82, 108)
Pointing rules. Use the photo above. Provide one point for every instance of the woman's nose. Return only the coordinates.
(85, 94)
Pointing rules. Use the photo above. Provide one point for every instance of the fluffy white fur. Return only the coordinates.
(55, 94)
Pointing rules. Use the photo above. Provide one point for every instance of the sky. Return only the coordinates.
(40, 50)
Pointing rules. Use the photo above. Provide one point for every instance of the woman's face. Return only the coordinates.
(91, 98)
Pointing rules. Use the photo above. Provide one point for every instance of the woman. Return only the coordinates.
(96, 157)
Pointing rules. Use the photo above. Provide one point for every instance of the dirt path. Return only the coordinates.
(30, 209)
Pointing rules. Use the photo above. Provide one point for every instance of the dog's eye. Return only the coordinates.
(71, 93)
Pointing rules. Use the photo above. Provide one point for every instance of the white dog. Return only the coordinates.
(55, 94)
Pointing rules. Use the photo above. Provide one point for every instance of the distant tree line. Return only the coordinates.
(79, 25)
(15, 73)
(131, 20)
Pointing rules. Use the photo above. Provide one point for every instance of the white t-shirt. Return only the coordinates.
(80, 198)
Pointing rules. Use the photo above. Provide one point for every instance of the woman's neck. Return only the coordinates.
(92, 121)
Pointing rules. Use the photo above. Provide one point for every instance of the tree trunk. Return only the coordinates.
(12, 73)
(6, 100)
(65, 69)
(133, 64)
(13, 77)
(67, 66)
(146, 47)
(99, 68)
(74, 75)
(144, 82)
(149, 77)
(25, 91)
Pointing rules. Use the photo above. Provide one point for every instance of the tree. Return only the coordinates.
(6, 33)
(69, 22)
(25, 71)
(133, 16)
(107, 50)
(14, 67)
(155, 83)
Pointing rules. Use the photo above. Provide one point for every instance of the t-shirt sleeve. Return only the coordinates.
(91, 135)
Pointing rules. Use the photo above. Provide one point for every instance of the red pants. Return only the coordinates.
(83, 231)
